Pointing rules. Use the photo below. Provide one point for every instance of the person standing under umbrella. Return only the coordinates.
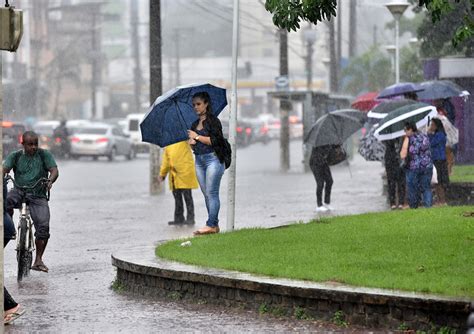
(395, 174)
(437, 137)
(178, 162)
(417, 154)
(319, 165)
(207, 142)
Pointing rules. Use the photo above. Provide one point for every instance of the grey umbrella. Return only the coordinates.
(335, 127)
(440, 89)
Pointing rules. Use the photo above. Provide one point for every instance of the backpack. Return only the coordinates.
(227, 150)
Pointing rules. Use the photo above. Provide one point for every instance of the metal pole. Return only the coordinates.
(397, 52)
(285, 106)
(233, 120)
(309, 65)
(137, 72)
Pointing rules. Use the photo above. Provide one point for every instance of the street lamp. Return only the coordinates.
(391, 51)
(397, 9)
(327, 65)
(309, 36)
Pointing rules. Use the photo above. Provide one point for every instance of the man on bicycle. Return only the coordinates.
(30, 165)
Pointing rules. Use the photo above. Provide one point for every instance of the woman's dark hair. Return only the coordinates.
(411, 126)
(439, 125)
(207, 99)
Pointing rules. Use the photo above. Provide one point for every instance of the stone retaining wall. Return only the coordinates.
(366, 307)
(460, 193)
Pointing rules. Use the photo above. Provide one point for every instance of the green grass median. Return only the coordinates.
(462, 173)
(424, 250)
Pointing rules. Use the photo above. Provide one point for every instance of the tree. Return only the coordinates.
(287, 14)
(371, 71)
(436, 36)
(411, 68)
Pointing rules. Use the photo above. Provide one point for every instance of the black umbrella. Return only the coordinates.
(335, 127)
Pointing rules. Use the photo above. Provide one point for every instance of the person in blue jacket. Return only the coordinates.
(437, 137)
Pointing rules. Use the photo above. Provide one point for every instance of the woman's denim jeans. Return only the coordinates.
(209, 172)
(419, 187)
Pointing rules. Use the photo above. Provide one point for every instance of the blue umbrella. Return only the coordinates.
(172, 114)
(399, 89)
(440, 89)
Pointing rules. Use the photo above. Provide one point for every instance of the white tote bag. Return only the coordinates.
(434, 177)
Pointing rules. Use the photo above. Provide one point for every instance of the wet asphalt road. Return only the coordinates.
(98, 207)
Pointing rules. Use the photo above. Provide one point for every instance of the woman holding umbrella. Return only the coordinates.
(417, 155)
(207, 142)
(437, 137)
(322, 174)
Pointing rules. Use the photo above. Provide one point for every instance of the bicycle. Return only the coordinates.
(25, 238)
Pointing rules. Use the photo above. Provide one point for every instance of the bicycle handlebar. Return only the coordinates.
(43, 180)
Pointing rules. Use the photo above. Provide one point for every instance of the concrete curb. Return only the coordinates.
(140, 272)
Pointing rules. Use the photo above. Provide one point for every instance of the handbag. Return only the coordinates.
(336, 155)
(434, 176)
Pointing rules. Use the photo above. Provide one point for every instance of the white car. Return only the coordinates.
(96, 139)
(133, 129)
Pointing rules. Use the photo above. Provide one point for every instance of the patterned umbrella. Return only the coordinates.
(393, 125)
(371, 149)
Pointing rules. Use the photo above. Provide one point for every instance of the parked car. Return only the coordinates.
(45, 130)
(244, 132)
(12, 136)
(259, 130)
(296, 127)
(97, 139)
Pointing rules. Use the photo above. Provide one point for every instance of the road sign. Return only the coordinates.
(282, 83)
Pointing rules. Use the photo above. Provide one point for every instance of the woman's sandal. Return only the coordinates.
(12, 316)
(207, 230)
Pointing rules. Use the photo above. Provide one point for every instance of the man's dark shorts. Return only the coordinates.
(39, 211)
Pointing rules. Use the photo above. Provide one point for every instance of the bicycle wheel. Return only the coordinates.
(24, 256)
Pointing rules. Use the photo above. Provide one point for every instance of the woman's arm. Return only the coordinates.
(192, 135)
(404, 150)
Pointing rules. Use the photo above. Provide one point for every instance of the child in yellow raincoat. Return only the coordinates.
(178, 162)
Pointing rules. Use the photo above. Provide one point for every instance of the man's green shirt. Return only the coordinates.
(29, 169)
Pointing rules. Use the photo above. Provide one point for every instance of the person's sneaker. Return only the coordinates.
(176, 222)
(322, 209)
(327, 206)
(189, 222)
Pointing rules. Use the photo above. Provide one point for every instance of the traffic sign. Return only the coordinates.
(282, 83)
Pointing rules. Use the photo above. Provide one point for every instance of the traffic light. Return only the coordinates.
(11, 28)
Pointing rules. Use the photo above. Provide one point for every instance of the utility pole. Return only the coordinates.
(177, 56)
(156, 88)
(352, 28)
(96, 62)
(333, 84)
(375, 35)
(137, 73)
(339, 40)
(309, 36)
(38, 13)
(285, 106)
